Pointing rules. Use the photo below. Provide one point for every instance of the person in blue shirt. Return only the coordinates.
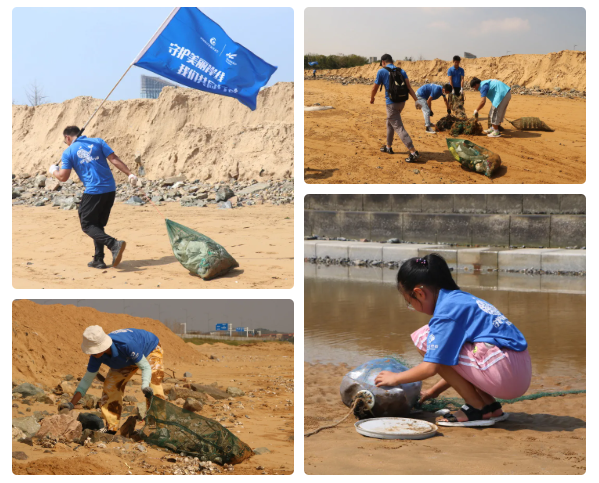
(394, 122)
(500, 95)
(474, 347)
(314, 73)
(124, 351)
(455, 74)
(425, 97)
(88, 157)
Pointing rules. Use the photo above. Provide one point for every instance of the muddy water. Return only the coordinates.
(349, 322)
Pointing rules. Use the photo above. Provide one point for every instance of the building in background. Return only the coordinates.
(180, 328)
(371, 60)
(468, 55)
(151, 87)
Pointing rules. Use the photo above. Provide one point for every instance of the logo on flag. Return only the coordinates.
(180, 52)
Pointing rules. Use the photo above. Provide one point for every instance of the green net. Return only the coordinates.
(182, 431)
(198, 253)
(433, 405)
(530, 124)
(474, 157)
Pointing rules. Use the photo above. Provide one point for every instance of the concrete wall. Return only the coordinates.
(497, 220)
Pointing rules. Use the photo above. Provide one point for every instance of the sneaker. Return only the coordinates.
(117, 252)
(413, 157)
(488, 131)
(430, 130)
(494, 134)
(97, 264)
(385, 149)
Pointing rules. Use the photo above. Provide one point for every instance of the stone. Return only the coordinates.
(39, 415)
(192, 404)
(172, 180)
(141, 448)
(66, 387)
(135, 201)
(212, 391)
(17, 434)
(180, 401)
(98, 437)
(253, 189)
(68, 204)
(192, 202)
(26, 389)
(235, 391)
(69, 377)
(142, 409)
(27, 424)
(183, 393)
(223, 194)
(130, 399)
(52, 185)
(261, 450)
(61, 425)
(90, 421)
(226, 205)
(157, 199)
(40, 181)
(19, 455)
(187, 374)
(89, 401)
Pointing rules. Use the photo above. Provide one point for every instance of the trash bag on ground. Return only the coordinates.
(445, 123)
(378, 402)
(469, 127)
(198, 253)
(182, 431)
(456, 104)
(474, 157)
(530, 124)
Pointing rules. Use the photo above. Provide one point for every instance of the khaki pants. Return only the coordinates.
(395, 125)
(496, 114)
(116, 381)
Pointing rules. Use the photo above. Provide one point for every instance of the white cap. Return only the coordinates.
(95, 340)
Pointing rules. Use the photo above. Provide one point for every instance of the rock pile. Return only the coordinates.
(43, 191)
(516, 89)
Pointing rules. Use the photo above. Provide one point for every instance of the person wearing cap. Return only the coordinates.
(394, 122)
(426, 95)
(88, 157)
(124, 351)
(500, 95)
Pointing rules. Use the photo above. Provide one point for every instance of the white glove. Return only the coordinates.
(475, 113)
(53, 169)
(133, 180)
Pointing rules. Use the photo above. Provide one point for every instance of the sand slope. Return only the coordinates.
(51, 251)
(46, 342)
(186, 131)
(546, 437)
(565, 69)
(342, 145)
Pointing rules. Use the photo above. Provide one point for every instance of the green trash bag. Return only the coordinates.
(198, 253)
(182, 431)
(474, 157)
(528, 124)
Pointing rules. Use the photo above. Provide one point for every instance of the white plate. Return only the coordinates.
(396, 428)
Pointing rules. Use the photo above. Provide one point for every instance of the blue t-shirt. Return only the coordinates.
(87, 156)
(461, 317)
(430, 90)
(382, 77)
(456, 75)
(494, 90)
(128, 348)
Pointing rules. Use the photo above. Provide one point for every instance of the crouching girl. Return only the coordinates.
(468, 342)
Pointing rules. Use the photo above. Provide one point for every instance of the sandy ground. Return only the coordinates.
(50, 250)
(342, 144)
(264, 371)
(545, 437)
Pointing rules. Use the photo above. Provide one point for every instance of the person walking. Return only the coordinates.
(88, 157)
(397, 92)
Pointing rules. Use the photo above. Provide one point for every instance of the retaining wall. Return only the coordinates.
(498, 220)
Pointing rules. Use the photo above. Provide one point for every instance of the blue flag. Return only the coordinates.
(312, 63)
(192, 50)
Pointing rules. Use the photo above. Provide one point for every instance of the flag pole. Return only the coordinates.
(143, 51)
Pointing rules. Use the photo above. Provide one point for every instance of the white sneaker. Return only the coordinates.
(488, 131)
(494, 134)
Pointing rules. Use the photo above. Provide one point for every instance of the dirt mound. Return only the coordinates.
(46, 339)
(565, 69)
(203, 136)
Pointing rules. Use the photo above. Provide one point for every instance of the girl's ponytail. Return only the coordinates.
(431, 270)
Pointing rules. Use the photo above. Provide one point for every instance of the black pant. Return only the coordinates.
(94, 211)
(457, 90)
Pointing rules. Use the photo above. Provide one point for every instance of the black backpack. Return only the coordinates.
(398, 90)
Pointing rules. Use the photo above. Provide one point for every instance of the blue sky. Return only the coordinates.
(443, 32)
(74, 52)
